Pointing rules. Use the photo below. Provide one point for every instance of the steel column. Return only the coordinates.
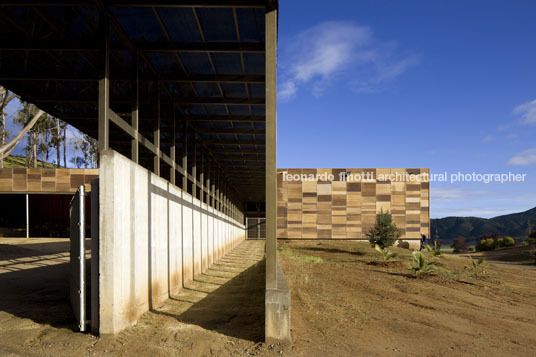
(270, 147)
(104, 86)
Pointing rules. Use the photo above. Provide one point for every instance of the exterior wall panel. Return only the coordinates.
(346, 206)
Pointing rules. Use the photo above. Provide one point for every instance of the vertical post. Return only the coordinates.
(82, 257)
(202, 177)
(104, 86)
(134, 146)
(27, 217)
(185, 156)
(213, 186)
(194, 169)
(270, 147)
(157, 131)
(173, 169)
(209, 192)
(217, 191)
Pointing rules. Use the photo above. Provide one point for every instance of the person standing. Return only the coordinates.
(423, 241)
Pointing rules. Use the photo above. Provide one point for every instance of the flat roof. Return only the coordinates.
(203, 60)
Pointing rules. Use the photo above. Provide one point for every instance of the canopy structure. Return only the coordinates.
(186, 89)
(184, 75)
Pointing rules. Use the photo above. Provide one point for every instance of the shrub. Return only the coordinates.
(506, 242)
(459, 245)
(486, 244)
(385, 232)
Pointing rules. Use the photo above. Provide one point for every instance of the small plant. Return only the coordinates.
(385, 253)
(421, 265)
(436, 243)
(477, 267)
(435, 250)
(385, 232)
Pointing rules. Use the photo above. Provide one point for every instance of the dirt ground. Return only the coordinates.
(522, 255)
(344, 302)
(221, 313)
(348, 303)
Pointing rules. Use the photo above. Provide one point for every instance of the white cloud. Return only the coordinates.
(524, 158)
(338, 50)
(527, 112)
(487, 139)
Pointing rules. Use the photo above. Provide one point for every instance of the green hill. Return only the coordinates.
(471, 228)
(20, 161)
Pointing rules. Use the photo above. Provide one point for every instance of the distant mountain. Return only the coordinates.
(471, 228)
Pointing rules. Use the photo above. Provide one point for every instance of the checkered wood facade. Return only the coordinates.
(26, 180)
(346, 209)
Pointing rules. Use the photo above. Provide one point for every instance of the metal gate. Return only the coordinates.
(77, 283)
(256, 228)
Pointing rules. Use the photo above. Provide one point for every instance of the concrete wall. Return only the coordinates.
(154, 238)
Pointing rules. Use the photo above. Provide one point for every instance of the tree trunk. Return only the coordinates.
(64, 147)
(35, 151)
(42, 153)
(58, 136)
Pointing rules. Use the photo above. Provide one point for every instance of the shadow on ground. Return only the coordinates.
(332, 250)
(40, 294)
(34, 283)
(228, 298)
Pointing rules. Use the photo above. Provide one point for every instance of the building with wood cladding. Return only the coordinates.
(36, 200)
(46, 181)
(343, 203)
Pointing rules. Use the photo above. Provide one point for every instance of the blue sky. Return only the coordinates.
(13, 129)
(448, 85)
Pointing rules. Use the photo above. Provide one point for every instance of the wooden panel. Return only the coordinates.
(346, 207)
(41, 180)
